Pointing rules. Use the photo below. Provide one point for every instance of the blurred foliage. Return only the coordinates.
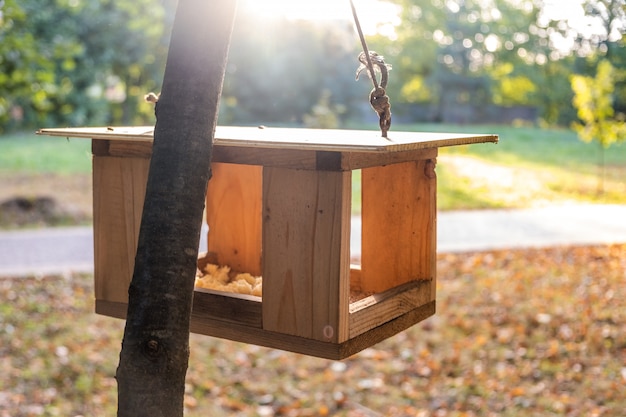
(324, 115)
(70, 62)
(88, 62)
(594, 101)
(499, 51)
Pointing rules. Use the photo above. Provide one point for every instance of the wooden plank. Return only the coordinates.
(297, 139)
(377, 309)
(234, 308)
(398, 224)
(327, 350)
(119, 188)
(233, 209)
(100, 147)
(132, 149)
(386, 330)
(114, 309)
(359, 160)
(286, 158)
(306, 243)
(134, 133)
(121, 148)
(260, 337)
(208, 306)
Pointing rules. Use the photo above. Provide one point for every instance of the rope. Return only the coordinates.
(378, 97)
(370, 66)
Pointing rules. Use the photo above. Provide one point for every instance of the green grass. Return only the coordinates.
(29, 153)
(554, 160)
(530, 146)
(454, 192)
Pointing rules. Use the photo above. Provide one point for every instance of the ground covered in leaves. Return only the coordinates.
(517, 333)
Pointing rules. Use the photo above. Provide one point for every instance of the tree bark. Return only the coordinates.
(155, 350)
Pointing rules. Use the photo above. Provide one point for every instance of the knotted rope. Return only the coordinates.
(378, 96)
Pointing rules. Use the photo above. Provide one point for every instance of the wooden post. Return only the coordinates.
(117, 217)
(155, 349)
(306, 220)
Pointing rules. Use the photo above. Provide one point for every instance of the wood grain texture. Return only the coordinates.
(248, 334)
(377, 309)
(305, 346)
(291, 148)
(233, 210)
(133, 149)
(297, 139)
(359, 160)
(234, 308)
(113, 309)
(398, 224)
(286, 158)
(119, 188)
(306, 221)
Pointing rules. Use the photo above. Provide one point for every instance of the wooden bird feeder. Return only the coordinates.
(279, 206)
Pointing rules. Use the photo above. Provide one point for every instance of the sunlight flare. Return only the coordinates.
(376, 16)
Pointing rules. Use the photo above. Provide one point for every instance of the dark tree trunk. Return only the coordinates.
(155, 349)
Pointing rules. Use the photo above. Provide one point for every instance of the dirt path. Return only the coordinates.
(44, 199)
(57, 250)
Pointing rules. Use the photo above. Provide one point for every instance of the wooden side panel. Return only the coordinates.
(398, 224)
(119, 186)
(375, 310)
(306, 239)
(234, 198)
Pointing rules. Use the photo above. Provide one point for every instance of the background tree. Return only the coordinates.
(594, 101)
(27, 68)
(91, 61)
(79, 62)
(476, 52)
(610, 15)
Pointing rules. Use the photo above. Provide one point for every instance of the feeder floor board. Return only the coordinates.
(238, 317)
(279, 206)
